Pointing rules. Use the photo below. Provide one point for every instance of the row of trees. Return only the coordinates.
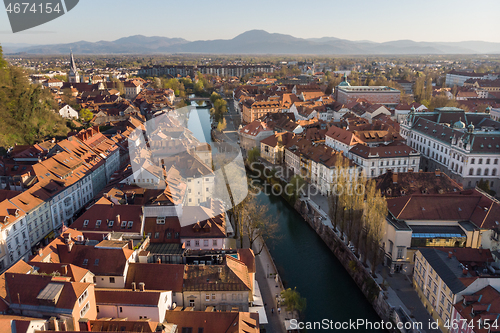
(358, 210)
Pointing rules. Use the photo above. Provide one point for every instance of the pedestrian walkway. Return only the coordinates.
(270, 287)
(400, 292)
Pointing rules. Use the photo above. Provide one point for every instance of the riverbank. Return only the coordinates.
(317, 219)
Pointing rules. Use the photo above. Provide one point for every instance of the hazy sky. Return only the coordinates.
(376, 20)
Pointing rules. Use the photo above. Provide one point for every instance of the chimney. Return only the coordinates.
(40, 252)
(67, 238)
(142, 286)
(159, 260)
(70, 246)
(64, 269)
(394, 178)
(450, 255)
(133, 286)
(118, 219)
(84, 325)
(53, 324)
(131, 244)
(437, 172)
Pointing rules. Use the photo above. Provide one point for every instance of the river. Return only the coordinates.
(305, 262)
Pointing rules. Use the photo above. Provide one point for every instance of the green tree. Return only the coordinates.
(221, 125)
(253, 155)
(86, 115)
(293, 301)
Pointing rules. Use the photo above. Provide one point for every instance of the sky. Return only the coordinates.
(375, 20)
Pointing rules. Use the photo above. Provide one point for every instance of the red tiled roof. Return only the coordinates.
(127, 297)
(214, 322)
(156, 276)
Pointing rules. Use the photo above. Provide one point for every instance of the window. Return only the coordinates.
(121, 309)
(157, 235)
(176, 235)
(96, 262)
(124, 224)
(473, 161)
(400, 252)
(471, 172)
(111, 280)
(207, 297)
(478, 173)
(85, 262)
(130, 224)
(487, 161)
(98, 223)
(82, 297)
(160, 220)
(169, 235)
(486, 171)
(495, 161)
(84, 310)
(205, 242)
(188, 243)
(480, 161)
(85, 223)
(197, 243)
(110, 224)
(214, 242)
(191, 302)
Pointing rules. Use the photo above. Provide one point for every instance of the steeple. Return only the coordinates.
(73, 76)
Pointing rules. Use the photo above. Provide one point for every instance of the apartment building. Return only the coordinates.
(466, 146)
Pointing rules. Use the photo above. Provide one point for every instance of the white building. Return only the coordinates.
(14, 240)
(395, 157)
(68, 112)
(464, 145)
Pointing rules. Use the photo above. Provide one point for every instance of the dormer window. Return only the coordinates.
(130, 224)
(85, 262)
(124, 224)
(98, 223)
(110, 224)
(160, 220)
(85, 223)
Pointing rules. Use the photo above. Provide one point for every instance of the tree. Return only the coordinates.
(294, 188)
(375, 213)
(253, 155)
(221, 125)
(293, 301)
(86, 115)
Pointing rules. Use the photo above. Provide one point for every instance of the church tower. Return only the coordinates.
(73, 76)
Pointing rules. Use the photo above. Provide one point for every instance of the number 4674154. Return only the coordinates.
(27, 7)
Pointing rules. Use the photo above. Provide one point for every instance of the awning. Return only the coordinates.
(50, 235)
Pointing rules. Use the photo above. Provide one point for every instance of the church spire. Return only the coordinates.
(74, 77)
(72, 63)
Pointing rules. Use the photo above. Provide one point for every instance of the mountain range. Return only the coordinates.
(256, 42)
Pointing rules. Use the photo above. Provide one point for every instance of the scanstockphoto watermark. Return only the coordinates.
(299, 187)
(360, 324)
(27, 14)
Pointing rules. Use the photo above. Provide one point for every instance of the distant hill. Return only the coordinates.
(262, 42)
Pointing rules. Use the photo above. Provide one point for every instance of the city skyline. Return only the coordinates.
(92, 21)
